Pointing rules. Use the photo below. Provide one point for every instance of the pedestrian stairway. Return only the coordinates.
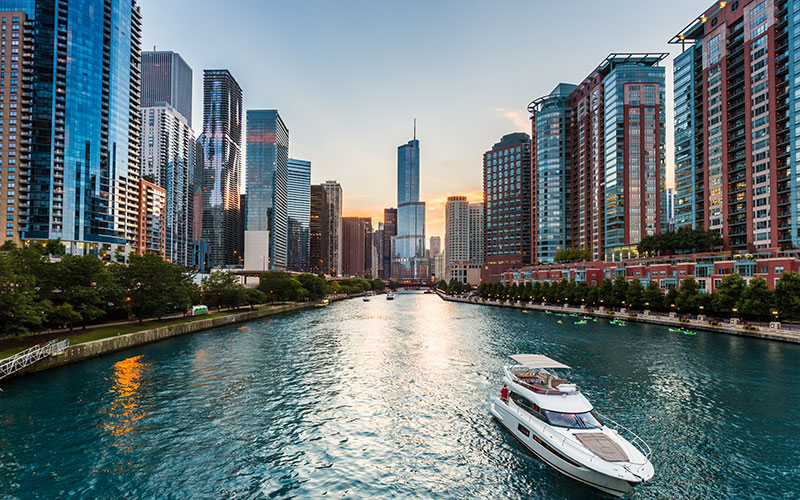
(30, 356)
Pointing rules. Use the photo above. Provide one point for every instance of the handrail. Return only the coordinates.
(30, 356)
(566, 440)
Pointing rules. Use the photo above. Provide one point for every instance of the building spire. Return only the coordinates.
(415, 129)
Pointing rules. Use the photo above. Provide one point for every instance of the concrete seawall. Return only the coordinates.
(87, 350)
(765, 333)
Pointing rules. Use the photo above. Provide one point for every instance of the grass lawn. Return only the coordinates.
(104, 332)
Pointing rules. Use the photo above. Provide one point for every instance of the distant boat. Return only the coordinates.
(365, 298)
(390, 296)
(324, 303)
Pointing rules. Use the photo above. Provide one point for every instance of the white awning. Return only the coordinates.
(537, 361)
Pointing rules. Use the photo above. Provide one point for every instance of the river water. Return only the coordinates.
(390, 400)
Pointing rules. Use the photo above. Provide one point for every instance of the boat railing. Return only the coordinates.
(566, 441)
(630, 436)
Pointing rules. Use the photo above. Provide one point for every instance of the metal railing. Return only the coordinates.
(30, 356)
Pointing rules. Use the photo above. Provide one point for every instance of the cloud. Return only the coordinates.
(518, 117)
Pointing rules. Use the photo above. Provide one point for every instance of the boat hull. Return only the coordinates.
(537, 445)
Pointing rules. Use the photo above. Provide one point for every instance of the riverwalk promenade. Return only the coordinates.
(773, 331)
(87, 350)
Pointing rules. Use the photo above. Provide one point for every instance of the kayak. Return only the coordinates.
(582, 322)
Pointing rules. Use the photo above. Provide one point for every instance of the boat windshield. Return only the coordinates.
(587, 420)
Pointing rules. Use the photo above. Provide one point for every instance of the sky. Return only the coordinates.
(349, 77)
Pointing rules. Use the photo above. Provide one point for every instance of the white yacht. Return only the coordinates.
(554, 420)
(389, 295)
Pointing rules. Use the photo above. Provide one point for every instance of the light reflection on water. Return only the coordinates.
(389, 400)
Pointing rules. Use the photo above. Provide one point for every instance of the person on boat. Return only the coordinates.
(504, 393)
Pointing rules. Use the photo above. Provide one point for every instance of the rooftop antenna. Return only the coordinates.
(415, 129)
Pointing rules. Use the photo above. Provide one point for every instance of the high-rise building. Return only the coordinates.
(598, 163)
(152, 216)
(463, 239)
(78, 139)
(409, 262)
(377, 252)
(299, 211)
(14, 176)
(552, 119)
(319, 236)
(476, 236)
(353, 246)
(334, 192)
(267, 188)
(440, 266)
(668, 209)
(222, 167)
(389, 231)
(737, 123)
(434, 246)
(507, 195)
(167, 149)
(368, 271)
(456, 234)
(167, 79)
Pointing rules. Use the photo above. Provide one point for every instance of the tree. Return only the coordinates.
(620, 291)
(19, 309)
(155, 287)
(254, 296)
(295, 291)
(316, 286)
(787, 297)
(605, 293)
(687, 299)
(64, 315)
(275, 285)
(653, 297)
(55, 248)
(635, 294)
(728, 294)
(7, 246)
(669, 299)
(222, 289)
(90, 288)
(756, 299)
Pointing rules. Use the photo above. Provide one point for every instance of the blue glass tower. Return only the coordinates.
(83, 163)
(409, 262)
(299, 211)
(222, 167)
(267, 188)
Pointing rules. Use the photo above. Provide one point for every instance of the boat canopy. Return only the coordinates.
(537, 361)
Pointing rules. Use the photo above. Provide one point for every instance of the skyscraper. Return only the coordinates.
(409, 262)
(507, 195)
(599, 166)
(319, 238)
(476, 236)
(368, 271)
(152, 216)
(456, 236)
(81, 180)
(434, 246)
(389, 231)
(299, 211)
(353, 245)
(267, 187)
(167, 159)
(222, 167)
(167, 79)
(377, 252)
(333, 190)
(463, 239)
(736, 123)
(14, 178)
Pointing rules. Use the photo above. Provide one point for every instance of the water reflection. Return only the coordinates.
(124, 410)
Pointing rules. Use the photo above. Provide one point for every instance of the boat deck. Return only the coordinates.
(602, 446)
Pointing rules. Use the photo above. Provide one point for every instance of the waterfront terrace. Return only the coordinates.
(709, 269)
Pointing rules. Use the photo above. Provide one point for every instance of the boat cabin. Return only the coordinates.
(532, 373)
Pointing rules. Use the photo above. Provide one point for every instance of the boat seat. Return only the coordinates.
(557, 381)
(602, 446)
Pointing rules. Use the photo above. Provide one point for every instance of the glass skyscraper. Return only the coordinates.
(166, 78)
(409, 262)
(267, 187)
(299, 210)
(222, 167)
(82, 177)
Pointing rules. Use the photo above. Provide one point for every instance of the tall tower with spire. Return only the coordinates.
(409, 262)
